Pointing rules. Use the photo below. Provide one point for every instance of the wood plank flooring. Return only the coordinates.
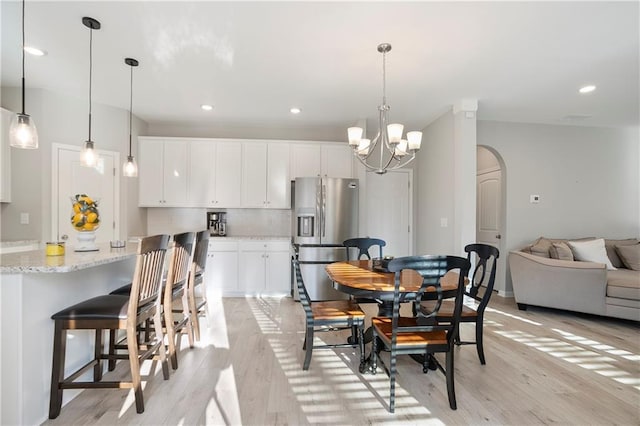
(543, 367)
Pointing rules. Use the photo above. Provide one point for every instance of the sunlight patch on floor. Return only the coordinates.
(584, 357)
(332, 388)
(506, 314)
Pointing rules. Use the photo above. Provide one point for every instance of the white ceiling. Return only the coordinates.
(254, 60)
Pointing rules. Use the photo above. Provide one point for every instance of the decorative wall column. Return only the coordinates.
(464, 182)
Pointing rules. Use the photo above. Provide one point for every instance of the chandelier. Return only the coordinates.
(394, 151)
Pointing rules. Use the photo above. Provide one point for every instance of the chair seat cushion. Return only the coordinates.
(336, 309)
(125, 290)
(408, 339)
(99, 308)
(446, 309)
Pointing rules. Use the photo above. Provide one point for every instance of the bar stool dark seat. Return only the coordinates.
(113, 312)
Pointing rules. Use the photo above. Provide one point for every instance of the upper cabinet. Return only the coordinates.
(232, 173)
(327, 159)
(215, 177)
(163, 172)
(265, 175)
(5, 157)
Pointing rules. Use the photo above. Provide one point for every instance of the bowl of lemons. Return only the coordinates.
(85, 218)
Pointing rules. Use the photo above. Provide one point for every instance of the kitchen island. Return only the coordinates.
(34, 286)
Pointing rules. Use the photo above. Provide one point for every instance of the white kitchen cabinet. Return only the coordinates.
(327, 159)
(265, 267)
(221, 270)
(5, 157)
(265, 175)
(215, 173)
(163, 172)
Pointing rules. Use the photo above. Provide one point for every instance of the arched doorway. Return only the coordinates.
(490, 209)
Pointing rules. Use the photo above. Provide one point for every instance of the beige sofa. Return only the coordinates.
(543, 277)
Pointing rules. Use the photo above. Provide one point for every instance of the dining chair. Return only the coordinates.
(363, 244)
(114, 312)
(174, 300)
(421, 334)
(485, 258)
(196, 288)
(331, 315)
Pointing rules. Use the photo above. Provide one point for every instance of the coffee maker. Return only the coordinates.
(217, 222)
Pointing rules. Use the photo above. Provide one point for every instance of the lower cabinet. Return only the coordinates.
(248, 268)
(264, 267)
(222, 268)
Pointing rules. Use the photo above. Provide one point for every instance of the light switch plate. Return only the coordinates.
(444, 222)
(24, 218)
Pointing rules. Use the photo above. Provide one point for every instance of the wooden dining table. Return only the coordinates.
(361, 279)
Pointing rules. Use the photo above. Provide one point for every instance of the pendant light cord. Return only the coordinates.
(23, 90)
(130, 108)
(90, 74)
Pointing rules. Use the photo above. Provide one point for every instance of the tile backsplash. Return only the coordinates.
(240, 222)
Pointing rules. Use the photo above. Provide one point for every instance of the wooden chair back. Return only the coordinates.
(305, 301)
(363, 244)
(180, 264)
(431, 269)
(147, 277)
(485, 258)
(200, 252)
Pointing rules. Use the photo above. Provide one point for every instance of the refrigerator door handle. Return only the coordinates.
(318, 208)
(324, 208)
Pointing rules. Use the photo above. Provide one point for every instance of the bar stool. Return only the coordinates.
(113, 312)
(174, 300)
(197, 303)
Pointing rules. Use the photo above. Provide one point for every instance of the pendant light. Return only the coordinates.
(88, 156)
(22, 131)
(130, 168)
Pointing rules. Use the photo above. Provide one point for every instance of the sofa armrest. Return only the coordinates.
(572, 285)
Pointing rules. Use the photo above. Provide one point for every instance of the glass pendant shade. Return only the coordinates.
(415, 140)
(130, 168)
(395, 133)
(22, 132)
(88, 157)
(354, 134)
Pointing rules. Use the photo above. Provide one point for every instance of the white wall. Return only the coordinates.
(588, 180)
(63, 119)
(435, 198)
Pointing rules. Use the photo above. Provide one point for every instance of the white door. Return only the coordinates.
(488, 210)
(99, 183)
(389, 211)
(489, 216)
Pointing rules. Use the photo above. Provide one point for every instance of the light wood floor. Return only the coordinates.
(543, 367)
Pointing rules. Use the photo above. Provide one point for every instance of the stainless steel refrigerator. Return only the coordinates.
(325, 213)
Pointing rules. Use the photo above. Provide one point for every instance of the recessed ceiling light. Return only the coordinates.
(295, 110)
(34, 51)
(587, 89)
(206, 107)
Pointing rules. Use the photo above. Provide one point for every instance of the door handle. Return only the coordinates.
(498, 237)
(64, 237)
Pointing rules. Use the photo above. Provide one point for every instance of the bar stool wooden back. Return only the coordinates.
(198, 302)
(175, 294)
(114, 312)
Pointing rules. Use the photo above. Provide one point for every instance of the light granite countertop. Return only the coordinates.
(36, 261)
(250, 237)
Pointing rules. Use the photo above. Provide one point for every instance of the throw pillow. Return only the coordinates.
(630, 256)
(590, 251)
(610, 245)
(560, 251)
(541, 247)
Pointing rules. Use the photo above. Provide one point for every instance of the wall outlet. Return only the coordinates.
(534, 199)
(444, 222)
(24, 218)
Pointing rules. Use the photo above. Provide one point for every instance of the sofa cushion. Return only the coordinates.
(611, 250)
(560, 251)
(590, 251)
(542, 246)
(630, 256)
(624, 284)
